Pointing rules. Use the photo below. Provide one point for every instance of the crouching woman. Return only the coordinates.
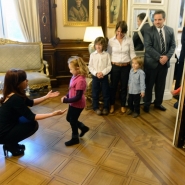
(17, 121)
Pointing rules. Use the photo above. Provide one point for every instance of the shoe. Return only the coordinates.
(98, 111)
(135, 115)
(146, 109)
(12, 149)
(129, 112)
(123, 109)
(176, 97)
(111, 109)
(105, 111)
(73, 141)
(160, 107)
(84, 129)
(21, 147)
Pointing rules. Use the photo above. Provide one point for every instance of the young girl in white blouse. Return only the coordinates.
(100, 66)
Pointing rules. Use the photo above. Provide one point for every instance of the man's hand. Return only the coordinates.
(163, 59)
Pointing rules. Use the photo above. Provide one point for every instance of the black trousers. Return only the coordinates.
(22, 130)
(100, 85)
(119, 74)
(180, 68)
(155, 77)
(72, 117)
(134, 102)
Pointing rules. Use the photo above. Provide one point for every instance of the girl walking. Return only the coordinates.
(76, 98)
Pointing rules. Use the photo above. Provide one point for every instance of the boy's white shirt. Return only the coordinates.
(100, 62)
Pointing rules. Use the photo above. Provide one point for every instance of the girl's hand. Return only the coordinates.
(58, 112)
(62, 99)
(52, 94)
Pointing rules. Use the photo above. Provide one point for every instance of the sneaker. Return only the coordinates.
(135, 115)
(98, 111)
(105, 111)
(129, 112)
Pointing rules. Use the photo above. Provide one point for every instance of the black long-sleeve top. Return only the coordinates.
(11, 110)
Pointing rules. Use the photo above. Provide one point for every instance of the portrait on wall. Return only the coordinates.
(116, 11)
(78, 12)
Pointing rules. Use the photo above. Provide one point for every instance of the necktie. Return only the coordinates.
(162, 42)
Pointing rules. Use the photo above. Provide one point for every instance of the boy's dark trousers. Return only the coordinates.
(99, 85)
(134, 102)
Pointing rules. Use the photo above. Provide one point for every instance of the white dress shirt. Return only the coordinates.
(99, 62)
(121, 52)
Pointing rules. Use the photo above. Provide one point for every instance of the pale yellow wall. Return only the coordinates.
(68, 32)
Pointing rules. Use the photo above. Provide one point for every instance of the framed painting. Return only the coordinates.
(116, 11)
(78, 12)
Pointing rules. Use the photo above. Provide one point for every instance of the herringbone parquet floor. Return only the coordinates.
(118, 150)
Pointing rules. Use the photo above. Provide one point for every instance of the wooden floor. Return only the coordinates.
(118, 150)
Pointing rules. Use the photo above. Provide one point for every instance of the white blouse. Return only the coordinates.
(121, 52)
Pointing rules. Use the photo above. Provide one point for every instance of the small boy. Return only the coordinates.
(136, 87)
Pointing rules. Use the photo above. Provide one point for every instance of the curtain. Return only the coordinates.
(28, 16)
(1, 22)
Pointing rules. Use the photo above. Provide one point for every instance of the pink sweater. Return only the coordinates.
(77, 83)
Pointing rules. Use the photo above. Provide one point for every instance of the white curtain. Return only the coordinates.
(28, 16)
(1, 23)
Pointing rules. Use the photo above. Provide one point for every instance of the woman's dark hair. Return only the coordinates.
(12, 80)
(122, 25)
(103, 41)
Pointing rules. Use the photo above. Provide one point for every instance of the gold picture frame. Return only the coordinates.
(73, 18)
(116, 11)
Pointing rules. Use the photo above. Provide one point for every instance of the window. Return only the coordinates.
(9, 24)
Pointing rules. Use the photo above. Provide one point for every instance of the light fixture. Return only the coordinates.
(91, 33)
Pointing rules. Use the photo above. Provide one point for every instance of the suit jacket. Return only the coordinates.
(138, 44)
(182, 53)
(153, 46)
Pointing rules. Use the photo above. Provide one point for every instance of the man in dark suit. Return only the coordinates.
(180, 65)
(159, 42)
(138, 44)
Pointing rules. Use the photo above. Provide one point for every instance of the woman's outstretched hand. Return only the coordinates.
(52, 94)
(58, 112)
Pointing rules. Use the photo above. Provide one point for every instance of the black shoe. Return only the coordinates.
(129, 112)
(21, 146)
(71, 142)
(176, 97)
(105, 111)
(146, 109)
(160, 107)
(98, 112)
(12, 149)
(84, 129)
(135, 115)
